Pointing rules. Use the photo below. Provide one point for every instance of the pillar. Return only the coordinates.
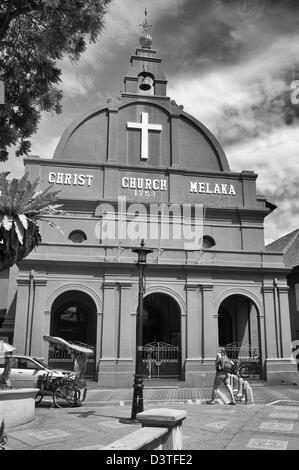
(110, 321)
(99, 336)
(262, 342)
(175, 158)
(194, 334)
(210, 324)
(125, 351)
(183, 341)
(194, 322)
(116, 365)
(112, 133)
(47, 325)
(21, 319)
(37, 321)
(270, 322)
(125, 331)
(280, 367)
(284, 321)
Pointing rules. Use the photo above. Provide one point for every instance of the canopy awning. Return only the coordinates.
(6, 348)
(55, 340)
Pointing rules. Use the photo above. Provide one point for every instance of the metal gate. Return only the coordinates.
(161, 360)
(248, 358)
(61, 359)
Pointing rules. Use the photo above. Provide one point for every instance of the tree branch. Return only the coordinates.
(9, 16)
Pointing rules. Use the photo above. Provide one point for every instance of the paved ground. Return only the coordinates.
(271, 423)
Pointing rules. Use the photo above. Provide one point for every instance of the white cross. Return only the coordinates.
(145, 127)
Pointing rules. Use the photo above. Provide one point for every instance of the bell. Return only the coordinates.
(146, 84)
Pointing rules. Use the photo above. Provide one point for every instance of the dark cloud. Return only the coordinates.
(285, 217)
(248, 122)
(208, 32)
(212, 35)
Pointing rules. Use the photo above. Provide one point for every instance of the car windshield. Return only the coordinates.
(42, 363)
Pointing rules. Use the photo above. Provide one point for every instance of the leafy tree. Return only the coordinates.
(21, 206)
(34, 34)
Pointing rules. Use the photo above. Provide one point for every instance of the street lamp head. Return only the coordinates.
(142, 252)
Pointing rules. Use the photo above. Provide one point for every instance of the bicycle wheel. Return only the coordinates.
(65, 395)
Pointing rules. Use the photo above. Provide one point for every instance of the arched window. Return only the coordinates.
(208, 242)
(77, 236)
(71, 322)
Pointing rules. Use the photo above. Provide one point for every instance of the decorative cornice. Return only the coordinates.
(109, 284)
(114, 284)
(148, 98)
(40, 281)
(268, 289)
(121, 166)
(207, 287)
(125, 284)
(283, 288)
(22, 282)
(191, 287)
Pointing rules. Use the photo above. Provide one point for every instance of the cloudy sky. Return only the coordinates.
(231, 63)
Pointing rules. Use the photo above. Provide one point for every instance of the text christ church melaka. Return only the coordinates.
(142, 148)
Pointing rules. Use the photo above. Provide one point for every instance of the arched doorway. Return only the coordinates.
(161, 336)
(73, 318)
(239, 332)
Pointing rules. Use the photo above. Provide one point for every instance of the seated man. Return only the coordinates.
(223, 368)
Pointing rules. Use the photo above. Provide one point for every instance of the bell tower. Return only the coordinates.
(145, 76)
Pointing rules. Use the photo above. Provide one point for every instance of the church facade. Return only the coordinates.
(140, 167)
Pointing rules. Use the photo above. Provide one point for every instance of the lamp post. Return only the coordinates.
(137, 404)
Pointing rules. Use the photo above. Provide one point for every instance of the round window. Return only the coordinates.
(77, 236)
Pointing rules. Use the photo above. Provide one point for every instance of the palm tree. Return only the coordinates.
(21, 206)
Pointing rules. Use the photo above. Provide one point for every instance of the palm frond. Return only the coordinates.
(7, 222)
(24, 221)
(21, 206)
(19, 230)
(52, 224)
(22, 197)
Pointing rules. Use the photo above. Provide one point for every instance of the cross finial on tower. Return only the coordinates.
(145, 26)
(146, 39)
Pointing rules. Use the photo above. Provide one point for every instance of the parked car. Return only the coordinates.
(25, 370)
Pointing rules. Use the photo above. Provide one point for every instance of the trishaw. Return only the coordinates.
(70, 388)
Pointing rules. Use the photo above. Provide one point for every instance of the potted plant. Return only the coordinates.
(21, 206)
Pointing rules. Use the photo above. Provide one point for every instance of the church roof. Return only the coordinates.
(289, 246)
(143, 115)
